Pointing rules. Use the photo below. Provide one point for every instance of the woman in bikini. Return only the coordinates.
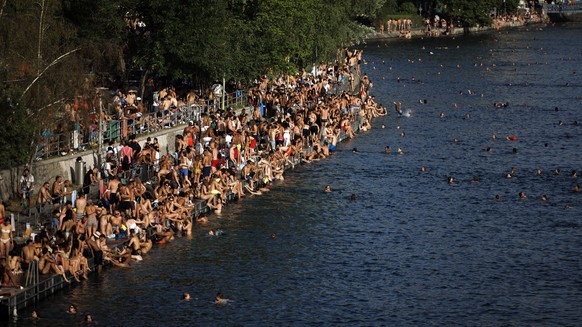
(6, 238)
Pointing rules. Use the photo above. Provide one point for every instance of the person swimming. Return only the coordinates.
(497, 197)
(89, 319)
(354, 150)
(423, 169)
(72, 309)
(353, 197)
(538, 172)
(327, 189)
(400, 151)
(522, 195)
(450, 180)
(544, 198)
(387, 149)
(219, 299)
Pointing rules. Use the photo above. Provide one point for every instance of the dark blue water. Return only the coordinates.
(412, 249)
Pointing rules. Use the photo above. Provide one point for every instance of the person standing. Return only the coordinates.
(26, 188)
(43, 197)
(57, 192)
(90, 179)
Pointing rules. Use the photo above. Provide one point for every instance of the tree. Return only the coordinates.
(472, 12)
(40, 71)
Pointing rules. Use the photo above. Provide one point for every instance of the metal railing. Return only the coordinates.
(51, 145)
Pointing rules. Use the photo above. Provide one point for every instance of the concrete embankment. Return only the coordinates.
(47, 169)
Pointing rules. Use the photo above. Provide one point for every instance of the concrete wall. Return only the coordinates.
(47, 169)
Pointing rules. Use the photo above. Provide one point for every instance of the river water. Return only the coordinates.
(412, 249)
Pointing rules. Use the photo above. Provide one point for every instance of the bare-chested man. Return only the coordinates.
(91, 212)
(113, 186)
(206, 163)
(30, 253)
(57, 191)
(80, 204)
(134, 245)
(116, 221)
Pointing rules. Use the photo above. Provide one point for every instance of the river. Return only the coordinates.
(412, 250)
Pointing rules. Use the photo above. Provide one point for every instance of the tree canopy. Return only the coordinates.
(56, 51)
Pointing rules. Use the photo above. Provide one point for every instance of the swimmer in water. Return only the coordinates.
(88, 319)
(400, 151)
(538, 172)
(186, 296)
(398, 106)
(556, 171)
(34, 314)
(574, 173)
(274, 236)
(387, 149)
(576, 188)
(489, 149)
(402, 134)
(354, 150)
(211, 232)
(494, 137)
(514, 151)
(475, 179)
(442, 115)
(219, 299)
(327, 189)
(522, 195)
(353, 197)
(383, 126)
(423, 169)
(497, 197)
(72, 309)
(451, 180)
(544, 198)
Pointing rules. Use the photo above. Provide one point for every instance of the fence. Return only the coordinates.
(51, 145)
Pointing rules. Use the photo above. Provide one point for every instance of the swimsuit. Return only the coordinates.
(92, 222)
(206, 171)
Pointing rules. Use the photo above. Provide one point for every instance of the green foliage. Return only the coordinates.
(408, 8)
(16, 134)
(473, 12)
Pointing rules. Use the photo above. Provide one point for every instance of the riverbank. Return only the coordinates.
(420, 32)
(265, 161)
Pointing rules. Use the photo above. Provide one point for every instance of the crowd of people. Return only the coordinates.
(151, 198)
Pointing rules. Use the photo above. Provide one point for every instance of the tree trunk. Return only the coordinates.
(142, 83)
(2, 9)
